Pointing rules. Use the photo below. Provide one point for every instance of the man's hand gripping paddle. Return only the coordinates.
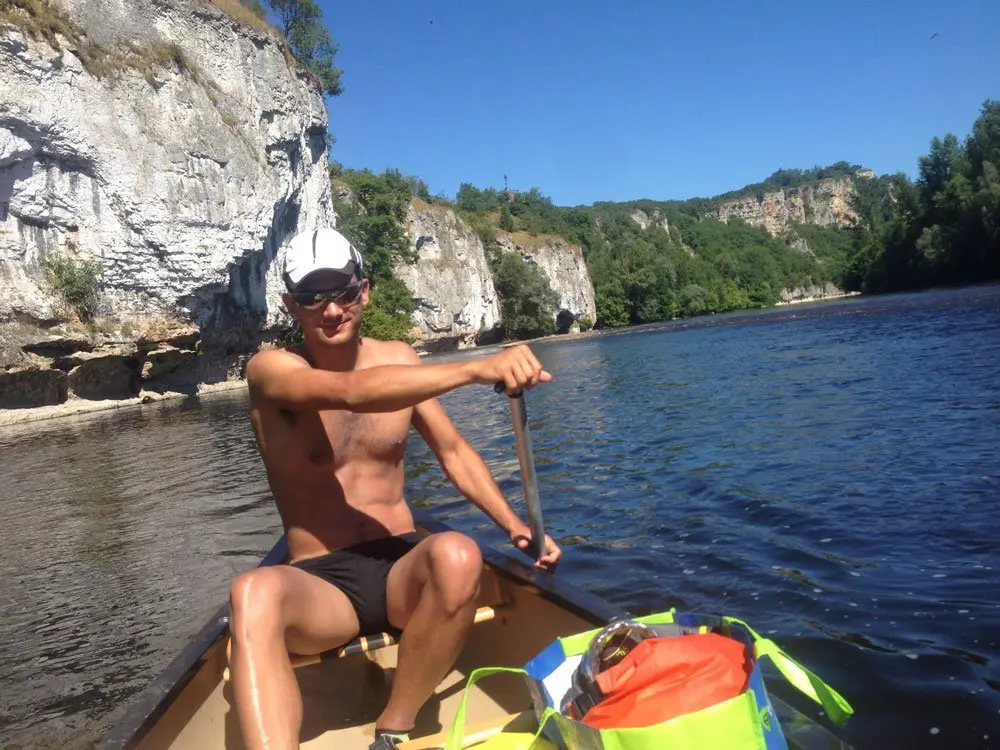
(519, 417)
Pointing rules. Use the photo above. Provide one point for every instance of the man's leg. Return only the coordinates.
(274, 610)
(431, 597)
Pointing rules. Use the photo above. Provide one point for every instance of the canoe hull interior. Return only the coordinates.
(190, 705)
(343, 697)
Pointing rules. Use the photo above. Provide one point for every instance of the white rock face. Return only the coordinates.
(825, 202)
(646, 219)
(185, 182)
(810, 293)
(450, 282)
(565, 268)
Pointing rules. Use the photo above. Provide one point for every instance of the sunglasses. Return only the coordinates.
(616, 649)
(343, 297)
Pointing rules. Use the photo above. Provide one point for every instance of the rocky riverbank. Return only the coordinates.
(71, 368)
(813, 293)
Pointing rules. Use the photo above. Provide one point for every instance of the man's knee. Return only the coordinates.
(255, 600)
(456, 565)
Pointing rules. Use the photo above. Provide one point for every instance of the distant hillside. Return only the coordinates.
(793, 178)
(652, 260)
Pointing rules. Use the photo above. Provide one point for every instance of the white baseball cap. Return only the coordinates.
(320, 250)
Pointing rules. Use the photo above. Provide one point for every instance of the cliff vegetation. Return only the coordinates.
(372, 215)
(44, 21)
(655, 260)
(301, 24)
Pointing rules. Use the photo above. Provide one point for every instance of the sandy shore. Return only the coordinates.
(84, 406)
(561, 337)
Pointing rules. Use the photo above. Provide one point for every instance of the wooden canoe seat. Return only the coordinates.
(360, 645)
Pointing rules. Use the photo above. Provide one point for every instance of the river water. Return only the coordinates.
(829, 472)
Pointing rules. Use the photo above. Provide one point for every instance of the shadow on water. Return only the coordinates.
(828, 472)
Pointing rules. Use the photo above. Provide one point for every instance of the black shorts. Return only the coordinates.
(361, 571)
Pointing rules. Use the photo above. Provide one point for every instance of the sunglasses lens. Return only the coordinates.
(314, 301)
(309, 301)
(347, 296)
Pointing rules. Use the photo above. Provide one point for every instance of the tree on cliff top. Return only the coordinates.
(301, 21)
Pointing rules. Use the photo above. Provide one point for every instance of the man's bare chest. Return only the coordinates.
(339, 437)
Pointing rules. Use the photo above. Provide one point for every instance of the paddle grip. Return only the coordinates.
(501, 387)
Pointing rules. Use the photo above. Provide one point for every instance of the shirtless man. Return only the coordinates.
(331, 417)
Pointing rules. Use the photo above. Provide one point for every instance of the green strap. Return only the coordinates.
(838, 709)
(547, 714)
(457, 732)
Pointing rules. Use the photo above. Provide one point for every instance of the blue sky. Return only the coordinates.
(610, 100)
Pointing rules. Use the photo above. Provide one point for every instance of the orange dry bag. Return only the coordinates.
(662, 678)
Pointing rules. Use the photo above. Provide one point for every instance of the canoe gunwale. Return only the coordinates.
(152, 702)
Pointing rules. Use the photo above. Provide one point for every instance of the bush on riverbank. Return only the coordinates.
(76, 281)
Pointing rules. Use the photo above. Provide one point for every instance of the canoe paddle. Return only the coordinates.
(519, 416)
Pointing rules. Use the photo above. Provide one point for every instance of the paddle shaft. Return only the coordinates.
(526, 459)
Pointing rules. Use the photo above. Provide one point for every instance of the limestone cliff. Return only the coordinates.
(455, 300)
(178, 147)
(563, 264)
(181, 154)
(651, 218)
(825, 202)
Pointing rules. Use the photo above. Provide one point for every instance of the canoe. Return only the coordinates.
(520, 611)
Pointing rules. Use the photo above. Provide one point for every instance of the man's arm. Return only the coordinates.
(284, 379)
(472, 477)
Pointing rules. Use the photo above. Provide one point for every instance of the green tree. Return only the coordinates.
(946, 160)
(527, 302)
(983, 148)
(940, 229)
(695, 300)
(472, 199)
(389, 312)
(374, 223)
(506, 219)
(612, 310)
(301, 21)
